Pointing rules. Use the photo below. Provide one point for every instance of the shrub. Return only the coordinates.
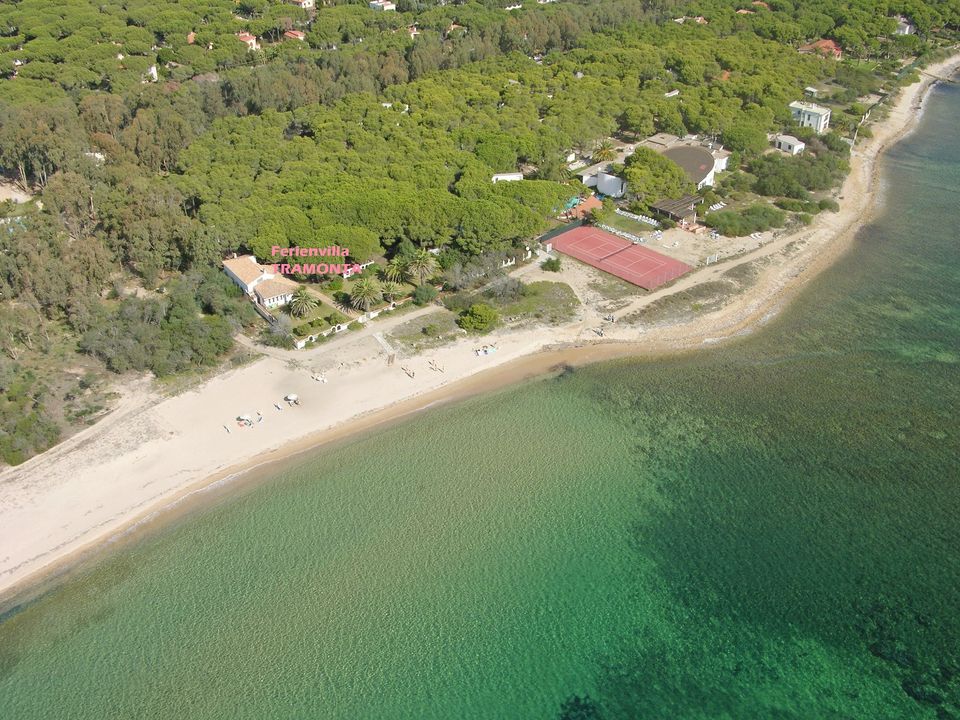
(430, 330)
(505, 290)
(551, 264)
(479, 317)
(336, 318)
(790, 204)
(829, 204)
(424, 294)
(755, 218)
(458, 302)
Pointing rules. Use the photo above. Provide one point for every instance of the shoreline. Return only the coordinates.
(62, 507)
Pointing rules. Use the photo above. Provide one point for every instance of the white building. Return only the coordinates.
(904, 26)
(506, 177)
(596, 176)
(382, 5)
(811, 115)
(789, 144)
(611, 185)
(348, 269)
(275, 292)
(303, 4)
(249, 40)
(697, 161)
(270, 289)
(246, 272)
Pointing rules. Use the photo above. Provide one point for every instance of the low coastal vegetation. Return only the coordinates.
(158, 138)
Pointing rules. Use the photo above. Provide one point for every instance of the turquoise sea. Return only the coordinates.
(769, 529)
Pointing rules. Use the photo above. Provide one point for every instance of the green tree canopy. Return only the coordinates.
(651, 177)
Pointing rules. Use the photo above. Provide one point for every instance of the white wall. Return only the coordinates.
(611, 185)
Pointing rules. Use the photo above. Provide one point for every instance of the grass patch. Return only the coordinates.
(426, 333)
(684, 306)
(551, 302)
(628, 225)
(613, 288)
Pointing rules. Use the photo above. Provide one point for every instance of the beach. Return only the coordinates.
(152, 452)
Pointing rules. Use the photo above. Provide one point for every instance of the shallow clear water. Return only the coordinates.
(768, 529)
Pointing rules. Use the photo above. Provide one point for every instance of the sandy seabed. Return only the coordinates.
(151, 454)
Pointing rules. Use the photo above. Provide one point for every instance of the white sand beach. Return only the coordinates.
(150, 451)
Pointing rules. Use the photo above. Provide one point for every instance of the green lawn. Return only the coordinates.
(627, 225)
(316, 319)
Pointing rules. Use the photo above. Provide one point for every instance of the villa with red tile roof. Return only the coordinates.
(295, 35)
(246, 272)
(269, 289)
(249, 40)
(826, 48)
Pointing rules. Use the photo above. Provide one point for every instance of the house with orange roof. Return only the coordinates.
(259, 281)
(246, 272)
(249, 40)
(295, 35)
(825, 48)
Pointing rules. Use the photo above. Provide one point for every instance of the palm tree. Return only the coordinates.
(422, 265)
(302, 302)
(604, 151)
(364, 293)
(391, 290)
(395, 270)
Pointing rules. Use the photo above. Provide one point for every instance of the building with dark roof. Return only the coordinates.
(697, 162)
(682, 210)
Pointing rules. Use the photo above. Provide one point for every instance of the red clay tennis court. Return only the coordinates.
(633, 263)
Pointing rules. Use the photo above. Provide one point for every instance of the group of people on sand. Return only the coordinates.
(485, 350)
(247, 421)
(433, 365)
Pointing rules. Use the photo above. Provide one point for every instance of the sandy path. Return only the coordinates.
(149, 452)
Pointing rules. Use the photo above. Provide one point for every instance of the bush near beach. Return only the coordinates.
(479, 318)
